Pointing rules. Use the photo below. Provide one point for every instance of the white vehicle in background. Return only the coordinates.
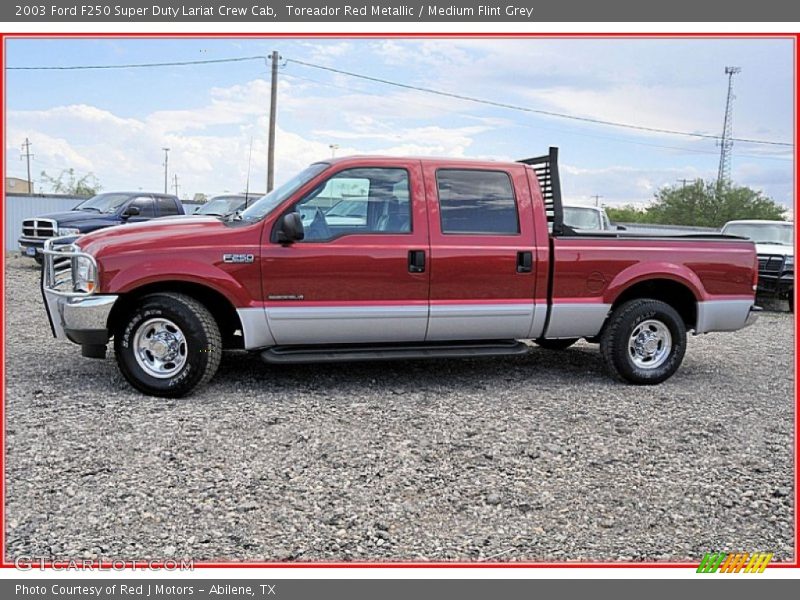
(775, 248)
(587, 218)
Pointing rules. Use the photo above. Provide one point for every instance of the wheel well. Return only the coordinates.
(677, 295)
(218, 305)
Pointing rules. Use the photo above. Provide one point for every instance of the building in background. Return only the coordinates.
(15, 185)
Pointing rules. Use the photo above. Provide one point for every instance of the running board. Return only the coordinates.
(359, 352)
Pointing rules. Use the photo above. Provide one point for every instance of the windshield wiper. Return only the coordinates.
(89, 208)
(775, 242)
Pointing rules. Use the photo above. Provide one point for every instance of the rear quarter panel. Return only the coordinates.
(600, 269)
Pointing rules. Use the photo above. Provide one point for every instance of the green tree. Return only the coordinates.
(626, 214)
(68, 183)
(702, 204)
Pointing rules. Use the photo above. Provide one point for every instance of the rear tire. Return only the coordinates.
(555, 344)
(167, 345)
(643, 342)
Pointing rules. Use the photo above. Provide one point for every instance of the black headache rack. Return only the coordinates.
(546, 168)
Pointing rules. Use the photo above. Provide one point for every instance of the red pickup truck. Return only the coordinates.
(392, 258)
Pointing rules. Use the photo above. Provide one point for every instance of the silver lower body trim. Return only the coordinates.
(347, 324)
(255, 328)
(479, 321)
(723, 315)
(576, 319)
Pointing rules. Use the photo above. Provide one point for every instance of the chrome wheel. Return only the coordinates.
(650, 344)
(160, 348)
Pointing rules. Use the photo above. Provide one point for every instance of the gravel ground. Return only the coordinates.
(535, 458)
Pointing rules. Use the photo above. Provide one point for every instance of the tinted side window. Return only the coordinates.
(167, 207)
(357, 201)
(472, 201)
(146, 206)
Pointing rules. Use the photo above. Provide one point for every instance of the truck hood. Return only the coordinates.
(775, 249)
(71, 217)
(159, 234)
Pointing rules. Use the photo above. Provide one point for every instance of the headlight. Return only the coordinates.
(789, 261)
(83, 275)
(68, 231)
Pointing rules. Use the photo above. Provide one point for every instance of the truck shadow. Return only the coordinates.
(573, 366)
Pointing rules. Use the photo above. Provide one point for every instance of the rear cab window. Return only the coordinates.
(476, 202)
(167, 207)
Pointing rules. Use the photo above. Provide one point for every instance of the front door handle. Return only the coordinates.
(416, 261)
(524, 261)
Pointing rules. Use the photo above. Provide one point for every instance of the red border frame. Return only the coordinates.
(344, 35)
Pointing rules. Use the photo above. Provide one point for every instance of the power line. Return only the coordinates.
(531, 110)
(182, 63)
(443, 93)
(541, 127)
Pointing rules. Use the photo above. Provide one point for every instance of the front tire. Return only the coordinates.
(643, 342)
(167, 345)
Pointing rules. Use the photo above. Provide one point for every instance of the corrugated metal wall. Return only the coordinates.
(21, 206)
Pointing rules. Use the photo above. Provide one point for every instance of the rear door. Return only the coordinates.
(483, 252)
(361, 273)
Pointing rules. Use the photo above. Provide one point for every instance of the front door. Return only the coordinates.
(483, 253)
(361, 274)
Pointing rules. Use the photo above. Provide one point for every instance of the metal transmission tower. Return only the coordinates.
(726, 143)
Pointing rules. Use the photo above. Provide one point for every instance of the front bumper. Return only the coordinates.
(78, 316)
(80, 320)
(35, 244)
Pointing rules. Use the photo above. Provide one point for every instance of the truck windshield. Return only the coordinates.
(582, 218)
(103, 203)
(763, 233)
(221, 206)
(266, 204)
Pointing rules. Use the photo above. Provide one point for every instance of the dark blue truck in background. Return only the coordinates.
(103, 210)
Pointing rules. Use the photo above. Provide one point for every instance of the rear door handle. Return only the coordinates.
(416, 261)
(524, 261)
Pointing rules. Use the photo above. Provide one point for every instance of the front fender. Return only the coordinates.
(123, 278)
(648, 271)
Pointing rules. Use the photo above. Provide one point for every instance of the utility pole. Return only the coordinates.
(175, 183)
(683, 182)
(334, 148)
(166, 163)
(273, 111)
(27, 156)
(726, 143)
(597, 200)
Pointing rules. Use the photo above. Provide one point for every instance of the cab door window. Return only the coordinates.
(146, 206)
(365, 200)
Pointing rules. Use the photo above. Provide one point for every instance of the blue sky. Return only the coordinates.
(115, 122)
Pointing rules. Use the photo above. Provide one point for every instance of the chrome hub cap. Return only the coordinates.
(650, 344)
(160, 348)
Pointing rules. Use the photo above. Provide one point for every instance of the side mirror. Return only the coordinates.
(131, 211)
(291, 228)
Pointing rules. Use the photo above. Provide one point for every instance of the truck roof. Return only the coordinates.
(758, 222)
(423, 159)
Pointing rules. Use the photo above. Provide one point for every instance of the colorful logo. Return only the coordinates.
(714, 562)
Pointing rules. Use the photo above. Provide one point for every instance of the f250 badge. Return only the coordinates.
(238, 258)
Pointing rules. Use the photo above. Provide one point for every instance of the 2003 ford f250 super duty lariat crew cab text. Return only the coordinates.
(445, 258)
